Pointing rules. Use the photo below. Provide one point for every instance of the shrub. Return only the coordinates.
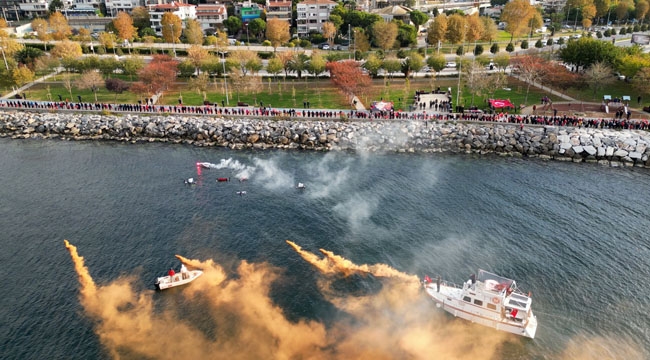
(460, 51)
(494, 48)
(549, 42)
(478, 49)
(599, 35)
(524, 44)
(539, 44)
(510, 47)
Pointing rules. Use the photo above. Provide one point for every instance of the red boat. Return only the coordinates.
(222, 179)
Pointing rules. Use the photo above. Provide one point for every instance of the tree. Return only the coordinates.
(494, 48)
(317, 64)
(623, 8)
(28, 55)
(539, 44)
(55, 5)
(124, 25)
(502, 60)
(474, 27)
(373, 64)
(285, 58)
(22, 75)
(257, 27)
(361, 42)
(131, 65)
(329, 31)
(90, 80)
(418, 18)
(172, 28)
(413, 63)
(642, 8)
(437, 62)
(586, 51)
(197, 55)
(274, 66)
(157, 76)
(193, 32)
(456, 29)
(299, 62)
(233, 24)
(244, 60)
(437, 31)
(116, 86)
(391, 65)
(348, 77)
(531, 70)
(277, 32)
(517, 14)
(490, 30)
(598, 76)
(67, 49)
(510, 47)
(107, 66)
(141, 18)
(384, 34)
(59, 26)
(641, 81)
(199, 83)
(407, 35)
(41, 27)
(107, 40)
(630, 65)
(337, 20)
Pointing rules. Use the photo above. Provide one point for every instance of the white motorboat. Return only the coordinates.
(174, 279)
(300, 186)
(190, 181)
(491, 300)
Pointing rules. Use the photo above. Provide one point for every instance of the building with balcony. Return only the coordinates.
(278, 9)
(33, 8)
(248, 11)
(183, 11)
(115, 6)
(311, 14)
(211, 16)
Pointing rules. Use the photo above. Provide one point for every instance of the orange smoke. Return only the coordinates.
(335, 264)
(232, 315)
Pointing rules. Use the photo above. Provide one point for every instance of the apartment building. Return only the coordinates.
(278, 9)
(311, 14)
(115, 6)
(211, 16)
(183, 11)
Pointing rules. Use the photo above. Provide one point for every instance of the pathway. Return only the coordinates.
(20, 90)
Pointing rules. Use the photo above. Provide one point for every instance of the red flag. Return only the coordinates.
(427, 279)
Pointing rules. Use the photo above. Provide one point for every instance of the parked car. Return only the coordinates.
(619, 76)
(324, 46)
(451, 64)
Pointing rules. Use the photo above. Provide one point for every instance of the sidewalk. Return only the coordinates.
(545, 88)
(20, 90)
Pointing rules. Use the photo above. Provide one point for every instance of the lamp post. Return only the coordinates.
(113, 42)
(3, 56)
(171, 26)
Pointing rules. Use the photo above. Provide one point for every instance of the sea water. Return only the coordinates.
(575, 235)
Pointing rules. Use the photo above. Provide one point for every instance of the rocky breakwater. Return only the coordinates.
(611, 147)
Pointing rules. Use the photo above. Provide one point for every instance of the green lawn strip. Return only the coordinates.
(616, 89)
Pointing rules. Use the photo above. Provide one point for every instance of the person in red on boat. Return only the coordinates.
(171, 272)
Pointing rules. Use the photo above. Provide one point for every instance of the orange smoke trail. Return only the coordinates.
(336, 264)
(88, 288)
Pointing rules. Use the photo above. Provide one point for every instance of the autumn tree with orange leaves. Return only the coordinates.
(124, 25)
(157, 76)
(348, 77)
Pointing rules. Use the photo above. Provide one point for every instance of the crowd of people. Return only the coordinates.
(264, 112)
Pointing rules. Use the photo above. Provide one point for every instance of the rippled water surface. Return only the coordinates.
(576, 236)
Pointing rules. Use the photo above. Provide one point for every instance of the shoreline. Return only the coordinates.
(576, 144)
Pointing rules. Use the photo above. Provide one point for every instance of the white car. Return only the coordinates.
(451, 64)
(619, 76)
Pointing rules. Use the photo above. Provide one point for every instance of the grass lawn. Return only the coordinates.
(617, 88)
(321, 94)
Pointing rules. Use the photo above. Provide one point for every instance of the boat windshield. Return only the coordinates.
(494, 282)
